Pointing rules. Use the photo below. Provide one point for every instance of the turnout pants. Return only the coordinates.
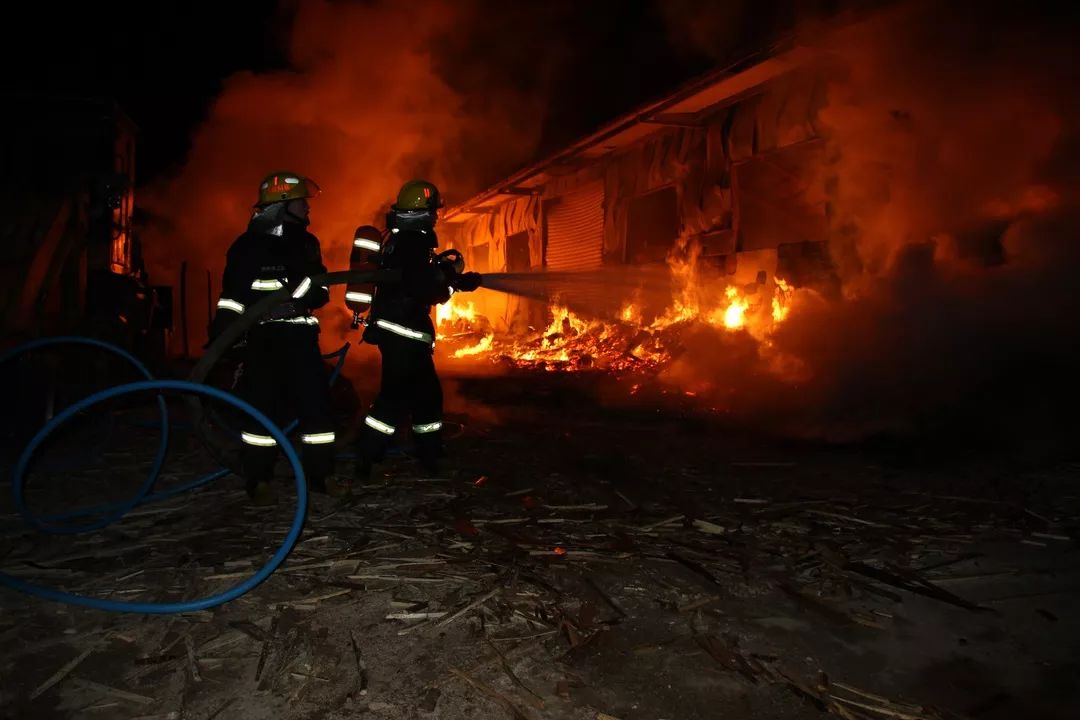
(284, 377)
(410, 389)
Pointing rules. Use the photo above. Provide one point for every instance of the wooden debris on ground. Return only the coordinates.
(515, 567)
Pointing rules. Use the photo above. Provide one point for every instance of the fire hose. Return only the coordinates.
(195, 389)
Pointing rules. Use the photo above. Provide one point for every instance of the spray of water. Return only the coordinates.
(589, 292)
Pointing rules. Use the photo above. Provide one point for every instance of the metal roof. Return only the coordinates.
(682, 108)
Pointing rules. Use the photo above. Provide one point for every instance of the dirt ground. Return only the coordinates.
(573, 561)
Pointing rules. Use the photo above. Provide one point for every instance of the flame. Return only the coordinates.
(733, 317)
(627, 341)
(457, 318)
(454, 310)
(780, 308)
(483, 346)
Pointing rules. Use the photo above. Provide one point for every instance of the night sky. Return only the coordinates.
(165, 62)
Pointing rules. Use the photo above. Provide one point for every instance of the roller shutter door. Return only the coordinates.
(575, 229)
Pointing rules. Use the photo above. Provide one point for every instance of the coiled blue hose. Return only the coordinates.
(229, 336)
(19, 481)
(109, 513)
(112, 512)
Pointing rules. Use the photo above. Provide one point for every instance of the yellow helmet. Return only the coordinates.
(418, 195)
(283, 186)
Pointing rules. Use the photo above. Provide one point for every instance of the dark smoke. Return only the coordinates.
(374, 96)
(952, 140)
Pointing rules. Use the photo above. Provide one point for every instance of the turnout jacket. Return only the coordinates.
(404, 308)
(284, 256)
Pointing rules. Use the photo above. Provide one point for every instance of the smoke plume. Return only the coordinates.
(951, 145)
(374, 96)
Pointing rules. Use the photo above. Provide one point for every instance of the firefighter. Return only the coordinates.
(400, 325)
(283, 372)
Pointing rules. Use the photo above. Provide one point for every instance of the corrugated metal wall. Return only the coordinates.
(575, 229)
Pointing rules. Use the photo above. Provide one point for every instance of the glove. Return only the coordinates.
(467, 282)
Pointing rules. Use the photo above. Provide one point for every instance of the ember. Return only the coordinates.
(627, 342)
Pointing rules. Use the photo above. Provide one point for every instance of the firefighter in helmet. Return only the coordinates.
(283, 371)
(400, 325)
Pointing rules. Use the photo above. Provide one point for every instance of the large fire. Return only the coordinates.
(628, 340)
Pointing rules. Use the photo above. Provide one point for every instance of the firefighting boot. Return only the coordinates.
(429, 451)
(262, 493)
(335, 486)
(362, 471)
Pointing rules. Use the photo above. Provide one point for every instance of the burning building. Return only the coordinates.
(808, 232)
(712, 198)
(863, 227)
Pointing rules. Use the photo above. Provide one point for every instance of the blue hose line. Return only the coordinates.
(19, 480)
(110, 513)
(146, 497)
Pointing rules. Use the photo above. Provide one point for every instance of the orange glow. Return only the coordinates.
(559, 551)
(629, 341)
(457, 317)
(895, 137)
(735, 314)
(780, 308)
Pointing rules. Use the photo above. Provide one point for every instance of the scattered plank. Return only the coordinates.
(193, 666)
(469, 608)
(361, 666)
(848, 518)
(114, 692)
(62, 673)
(709, 528)
(312, 600)
(537, 702)
(265, 651)
(228, 703)
(484, 688)
(415, 616)
(668, 521)
(1051, 536)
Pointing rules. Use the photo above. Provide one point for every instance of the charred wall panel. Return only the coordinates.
(518, 217)
(778, 199)
(652, 226)
(518, 256)
(479, 258)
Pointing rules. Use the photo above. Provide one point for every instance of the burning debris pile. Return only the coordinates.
(631, 340)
